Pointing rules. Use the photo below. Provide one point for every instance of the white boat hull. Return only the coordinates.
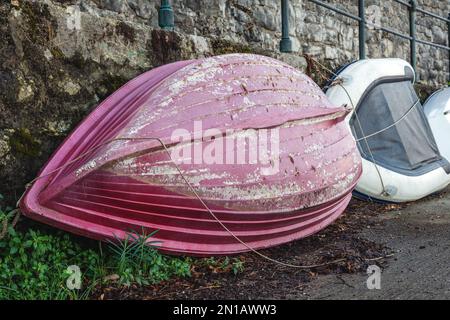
(437, 110)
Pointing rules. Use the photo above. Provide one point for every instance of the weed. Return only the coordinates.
(237, 266)
(219, 265)
(138, 260)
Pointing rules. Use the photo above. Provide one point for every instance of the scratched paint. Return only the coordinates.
(131, 182)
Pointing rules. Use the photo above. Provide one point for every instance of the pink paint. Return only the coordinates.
(127, 185)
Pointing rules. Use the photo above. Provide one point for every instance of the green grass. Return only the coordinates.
(136, 260)
(34, 262)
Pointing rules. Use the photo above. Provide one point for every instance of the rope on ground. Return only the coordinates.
(380, 258)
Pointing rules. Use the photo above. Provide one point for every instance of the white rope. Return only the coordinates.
(390, 126)
(365, 140)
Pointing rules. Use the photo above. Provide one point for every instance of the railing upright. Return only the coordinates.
(165, 16)
(412, 33)
(362, 29)
(285, 43)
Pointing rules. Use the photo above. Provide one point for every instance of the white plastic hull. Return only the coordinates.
(437, 110)
(407, 188)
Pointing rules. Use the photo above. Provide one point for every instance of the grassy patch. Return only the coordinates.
(37, 262)
(33, 265)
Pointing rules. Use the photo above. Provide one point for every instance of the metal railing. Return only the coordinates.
(285, 45)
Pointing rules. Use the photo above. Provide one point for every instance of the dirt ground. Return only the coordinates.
(410, 243)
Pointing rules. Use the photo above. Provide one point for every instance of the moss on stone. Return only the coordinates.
(224, 47)
(57, 128)
(40, 23)
(424, 90)
(126, 31)
(113, 82)
(77, 60)
(57, 53)
(165, 47)
(22, 143)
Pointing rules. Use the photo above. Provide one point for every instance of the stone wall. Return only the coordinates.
(320, 32)
(341, 34)
(60, 58)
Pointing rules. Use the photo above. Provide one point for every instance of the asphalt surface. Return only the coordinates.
(419, 236)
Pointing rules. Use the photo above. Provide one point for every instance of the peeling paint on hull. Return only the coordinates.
(132, 184)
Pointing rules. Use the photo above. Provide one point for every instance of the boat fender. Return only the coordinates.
(346, 79)
(390, 191)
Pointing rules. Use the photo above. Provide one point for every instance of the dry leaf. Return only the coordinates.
(111, 277)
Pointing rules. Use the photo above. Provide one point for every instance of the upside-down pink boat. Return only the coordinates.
(105, 181)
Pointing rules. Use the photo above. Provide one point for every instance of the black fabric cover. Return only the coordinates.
(409, 145)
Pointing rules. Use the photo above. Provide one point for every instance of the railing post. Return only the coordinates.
(165, 16)
(362, 29)
(285, 43)
(448, 25)
(412, 32)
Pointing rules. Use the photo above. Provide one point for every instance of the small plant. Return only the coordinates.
(6, 216)
(220, 265)
(137, 260)
(237, 266)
